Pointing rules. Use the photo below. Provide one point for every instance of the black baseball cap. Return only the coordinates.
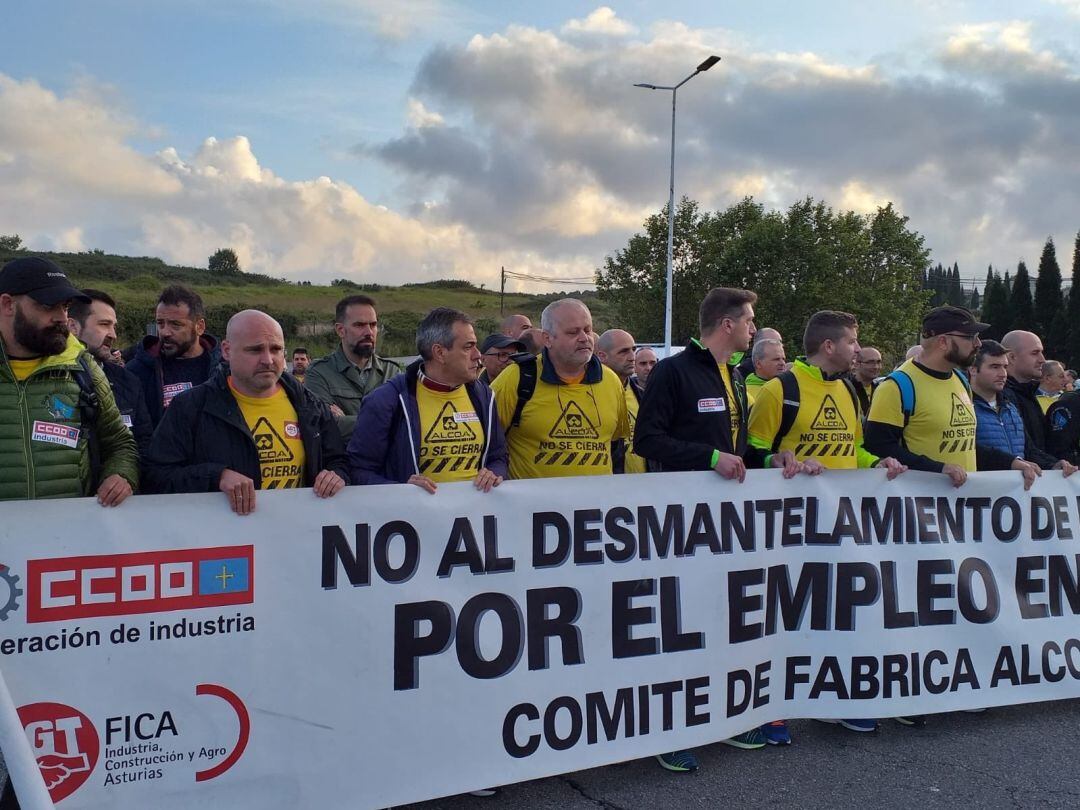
(500, 342)
(948, 318)
(41, 279)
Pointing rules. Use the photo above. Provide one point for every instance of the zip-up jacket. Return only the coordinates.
(681, 422)
(1025, 397)
(203, 433)
(385, 445)
(1002, 431)
(1063, 434)
(146, 365)
(44, 447)
(128, 393)
(337, 381)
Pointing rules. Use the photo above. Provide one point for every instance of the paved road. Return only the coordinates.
(1021, 756)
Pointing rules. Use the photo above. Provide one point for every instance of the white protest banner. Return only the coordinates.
(388, 646)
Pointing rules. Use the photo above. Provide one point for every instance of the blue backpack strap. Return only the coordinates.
(964, 379)
(907, 393)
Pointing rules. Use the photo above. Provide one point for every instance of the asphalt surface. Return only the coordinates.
(1018, 756)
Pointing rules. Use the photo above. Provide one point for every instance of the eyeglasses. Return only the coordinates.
(500, 355)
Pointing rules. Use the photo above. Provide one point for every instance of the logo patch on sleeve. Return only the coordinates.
(52, 433)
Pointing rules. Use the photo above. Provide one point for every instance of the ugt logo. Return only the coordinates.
(64, 743)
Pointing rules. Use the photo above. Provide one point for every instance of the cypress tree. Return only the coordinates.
(1020, 303)
(995, 308)
(1049, 301)
(1072, 311)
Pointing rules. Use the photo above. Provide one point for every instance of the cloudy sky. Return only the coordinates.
(403, 140)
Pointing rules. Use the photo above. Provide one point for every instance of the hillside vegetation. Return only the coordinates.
(306, 311)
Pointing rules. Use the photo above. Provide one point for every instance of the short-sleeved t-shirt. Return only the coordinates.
(451, 436)
(274, 426)
(566, 429)
(632, 463)
(942, 426)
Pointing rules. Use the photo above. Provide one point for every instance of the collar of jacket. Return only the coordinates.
(343, 363)
(68, 358)
(594, 371)
(698, 349)
(1024, 389)
(999, 400)
(816, 372)
(219, 380)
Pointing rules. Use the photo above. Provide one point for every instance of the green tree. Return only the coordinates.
(11, 243)
(1049, 302)
(224, 262)
(798, 261)
(1020, 303)
(995, 307)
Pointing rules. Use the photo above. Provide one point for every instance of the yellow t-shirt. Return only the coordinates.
(451, 436)
(827, 428)
(943, 425)
(633, 463)
(733, 403)
(24, 368)
(1046, 400)
(565, 429)
(273, 424)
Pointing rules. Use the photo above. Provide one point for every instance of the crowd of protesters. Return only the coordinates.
(183, 411)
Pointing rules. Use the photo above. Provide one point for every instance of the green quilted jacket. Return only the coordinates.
(43, 448)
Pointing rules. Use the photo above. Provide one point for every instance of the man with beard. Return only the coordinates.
(344, 378)
(93, 321)
(248, 427)
(60, 431)
(922, 414)
(181, 356)
(300, 362)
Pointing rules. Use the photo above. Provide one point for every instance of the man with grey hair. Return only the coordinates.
(248, 427)
(1051, 384)
(745, 360)
(769, 361)
(435, 423)
(562, 410)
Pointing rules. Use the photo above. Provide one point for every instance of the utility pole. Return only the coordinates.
(502, 289)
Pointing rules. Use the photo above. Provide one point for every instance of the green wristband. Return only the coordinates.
(715, 459)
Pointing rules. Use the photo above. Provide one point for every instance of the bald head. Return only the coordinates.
(615, 348)
(1025, 355)
(514, 325)
(254, 348)
(767, 333)
(560, 310)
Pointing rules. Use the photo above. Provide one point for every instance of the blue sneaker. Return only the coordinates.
(748, 740)
(678, 761)
(776, 733)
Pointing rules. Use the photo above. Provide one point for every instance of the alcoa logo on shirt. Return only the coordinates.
(711, 405)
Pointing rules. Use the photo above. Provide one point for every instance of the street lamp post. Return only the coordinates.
(708, 63)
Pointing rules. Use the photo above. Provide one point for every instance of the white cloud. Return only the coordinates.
(420, 116)
(601, 21)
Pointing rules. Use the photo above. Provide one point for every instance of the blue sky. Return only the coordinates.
(397, 141)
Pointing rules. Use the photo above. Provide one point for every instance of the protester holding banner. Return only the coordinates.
(61, 435)
(813, 410)
(561, 410)
(436, 422)
(249, 427)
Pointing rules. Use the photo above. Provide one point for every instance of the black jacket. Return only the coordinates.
(146, 365)
(1024, 397)
(128, 393)
(203, 432)
(1063, 420)
(620, 446)
(677, 427)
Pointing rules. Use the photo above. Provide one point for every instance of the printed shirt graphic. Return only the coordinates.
(451, 436)
(276, 431)
(565, 430)
(826, 429)
(943, 425)
(633, 463)
(732, 403)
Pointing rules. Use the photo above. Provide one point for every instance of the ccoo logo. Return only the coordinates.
(65, 745)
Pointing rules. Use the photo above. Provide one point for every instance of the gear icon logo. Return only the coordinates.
(14, 592)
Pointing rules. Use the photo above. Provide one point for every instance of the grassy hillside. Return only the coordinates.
(301, 308)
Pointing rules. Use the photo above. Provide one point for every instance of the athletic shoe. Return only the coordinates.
(485, 792)
(975, 711)
(678, 761)
(913, 720)
(776, 733)
(852, 725)
(748, 740)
